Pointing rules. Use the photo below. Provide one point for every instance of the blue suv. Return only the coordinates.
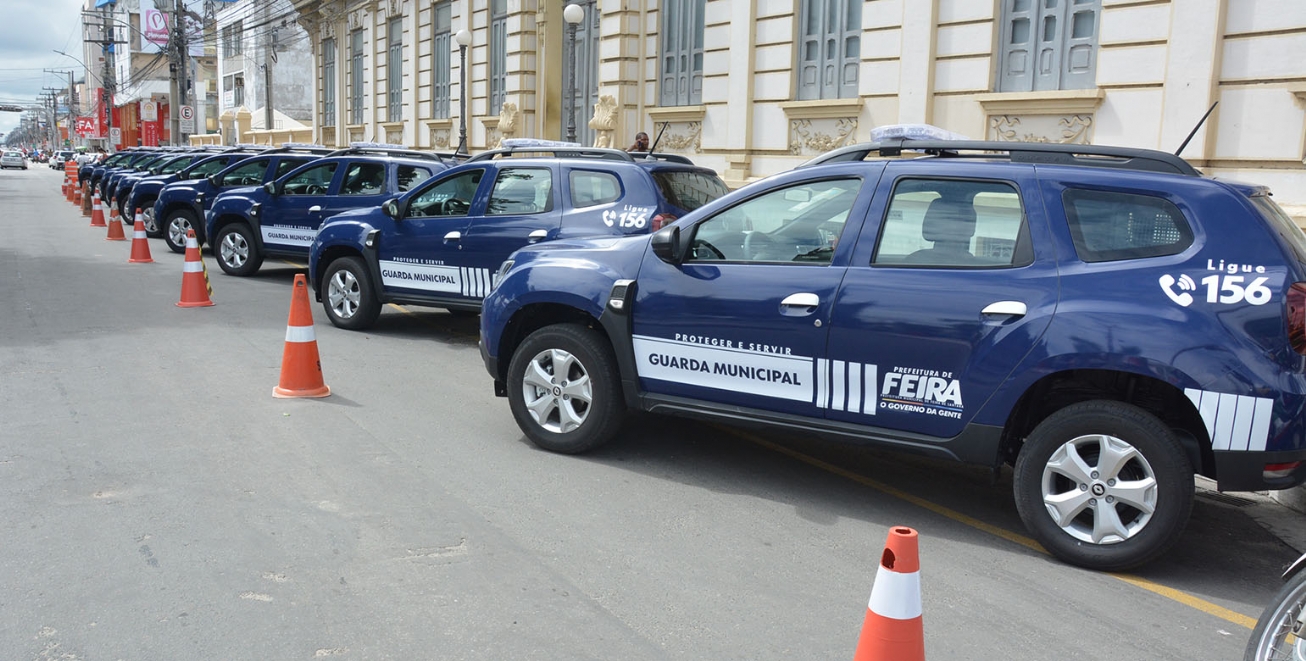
(181, 205)
(441, 243)
(1105, 320)
(281, 217)
(139, 191)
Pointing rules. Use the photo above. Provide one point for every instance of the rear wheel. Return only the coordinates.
(1104, 485)
(564, 389)
(151, 223)
(347, 294)
(235, 249)
(174, 229)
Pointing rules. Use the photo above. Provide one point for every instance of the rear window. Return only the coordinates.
(1283, 225)
(688, 190)
(1110, 226)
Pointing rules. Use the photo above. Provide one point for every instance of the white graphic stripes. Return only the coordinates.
(470, 282)
(846, 386)
(1234, 422)
(476, 282)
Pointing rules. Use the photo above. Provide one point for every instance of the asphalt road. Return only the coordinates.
(156, 502)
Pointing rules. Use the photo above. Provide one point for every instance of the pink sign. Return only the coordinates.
(156, 27)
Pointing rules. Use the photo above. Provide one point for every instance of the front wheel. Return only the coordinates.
(1280, 630)
(175, 227)
(237, 254)
(1104, 485)
(151, 223)
(564, 389)
(347, 294)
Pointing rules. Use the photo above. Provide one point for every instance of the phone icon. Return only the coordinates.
(1181, 297)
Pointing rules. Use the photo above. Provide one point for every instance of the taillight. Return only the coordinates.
(1297, 317)
(1277, 471)
(664, 218)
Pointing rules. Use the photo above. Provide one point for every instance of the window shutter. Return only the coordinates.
(1016, 57)
(1080, 70)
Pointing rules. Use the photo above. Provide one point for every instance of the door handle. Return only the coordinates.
(1013, 308)
(453, 236)
(314, 209)
(537, 235)
(799, 305)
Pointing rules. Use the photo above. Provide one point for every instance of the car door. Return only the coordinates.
(289, 221)
(742, 320)
(952, 283)
(418, 254)
(523, 207)
(363, 184)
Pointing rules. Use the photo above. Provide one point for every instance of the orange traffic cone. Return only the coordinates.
(301, 369)
(97, 212)
(63, 188)
(77, 195)
(140, 243)
(893, 630)
(195, 288)
(86, 203)
(68, 194)
(115, 224)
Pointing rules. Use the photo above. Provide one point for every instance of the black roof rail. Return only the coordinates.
(1124, 158)
(559, 152)
(312, 149)
(660, 156)
(388, 151)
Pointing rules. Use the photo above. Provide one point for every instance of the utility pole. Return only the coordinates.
(72, 101)
(181, 70)
(269, 56)
(108, 46)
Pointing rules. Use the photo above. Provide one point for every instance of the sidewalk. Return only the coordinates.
(1266, 508)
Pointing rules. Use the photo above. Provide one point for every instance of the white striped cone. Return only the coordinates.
(301, 368)
(893, 629)
(195, 289)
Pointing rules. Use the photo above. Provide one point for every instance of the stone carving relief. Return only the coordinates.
(440, 138)
(815, 136)
(326, 29)
(684, 137)
(355, 19)
(507, 127)
(1064, 129)
(391, 8)
(394, 136)
(604, 121)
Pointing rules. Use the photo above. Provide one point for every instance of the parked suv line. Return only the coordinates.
(1104, 320)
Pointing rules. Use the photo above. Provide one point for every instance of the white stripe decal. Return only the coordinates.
(299, 334)
(192, 267)
(1242, 422)
(1210, 404)
(822, 373)
(1261, 424)
(1224, 421)
(839, 376)
(869, 400)
(895, 595)
(854, 387)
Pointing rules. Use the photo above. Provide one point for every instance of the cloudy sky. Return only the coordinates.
(30, 32)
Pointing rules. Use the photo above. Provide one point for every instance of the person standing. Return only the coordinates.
(641, 143)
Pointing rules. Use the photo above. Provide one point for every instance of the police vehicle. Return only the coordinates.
(181, 205)
(166, 168)
(440, 243)
(123, 160)
(145, 191)
(1105, 320)
(245, 225)
(110, 179)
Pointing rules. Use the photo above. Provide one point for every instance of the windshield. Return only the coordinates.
(687, 189)
(174, 166)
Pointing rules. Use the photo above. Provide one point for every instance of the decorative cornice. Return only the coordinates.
(822, 108)
(663, 115)
(1057, 102)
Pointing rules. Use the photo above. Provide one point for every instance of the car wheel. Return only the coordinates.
(1104, 485)
(174, 229)
(236, 252)
(347, 294)
(564, 389)
(151, 223)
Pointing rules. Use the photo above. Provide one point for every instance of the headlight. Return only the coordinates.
(253, 210)
(503, 270)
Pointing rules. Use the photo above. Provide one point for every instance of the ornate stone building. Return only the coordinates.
(753, 87)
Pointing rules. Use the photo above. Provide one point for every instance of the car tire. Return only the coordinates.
(1100, 445)
(348, 297)
(236, 251)
(174, 229)
(152, 227)
(545, 403)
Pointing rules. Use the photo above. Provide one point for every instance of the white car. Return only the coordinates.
(13, 159)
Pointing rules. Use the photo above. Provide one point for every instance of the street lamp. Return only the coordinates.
(464, 39)
(573, 15)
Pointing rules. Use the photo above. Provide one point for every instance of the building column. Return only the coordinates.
(916, 78)
(1192, 75)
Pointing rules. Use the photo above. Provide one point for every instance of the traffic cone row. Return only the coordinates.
(893, 629)
(301, 366)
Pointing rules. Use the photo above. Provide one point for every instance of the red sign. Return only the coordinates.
(89, 127)
(150, 134)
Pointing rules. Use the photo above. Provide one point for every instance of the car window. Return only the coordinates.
(364, 179)
(288, 164)
(1109, 226)
(248, 173)
(688, 190)
(799, 224)
(954, 224)
(209, 167)
(408, 176)
(520, 191)
(175, 166)
(590, 188)
(313, 181)
(450, 197)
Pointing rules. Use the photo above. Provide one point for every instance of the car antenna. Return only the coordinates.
(1199, 125)
(657, 139)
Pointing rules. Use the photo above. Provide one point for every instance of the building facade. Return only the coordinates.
(265, 65)
(754, 87)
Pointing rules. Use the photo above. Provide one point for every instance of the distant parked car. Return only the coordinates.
(13, 159)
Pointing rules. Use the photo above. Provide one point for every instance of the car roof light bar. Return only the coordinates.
(1124, 158)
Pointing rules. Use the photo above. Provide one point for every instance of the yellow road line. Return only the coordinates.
(1179, 596)
(295, 264)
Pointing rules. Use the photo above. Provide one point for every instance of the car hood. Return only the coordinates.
(363, 215)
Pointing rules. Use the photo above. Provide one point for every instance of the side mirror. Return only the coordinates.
(666, 244)
(391, 208)
(215, 180)
(270, 188)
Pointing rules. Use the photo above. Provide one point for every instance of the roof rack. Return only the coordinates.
(1123, 158)
(296, 146)
(388, 151)
(560, 152)
(660, 156)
